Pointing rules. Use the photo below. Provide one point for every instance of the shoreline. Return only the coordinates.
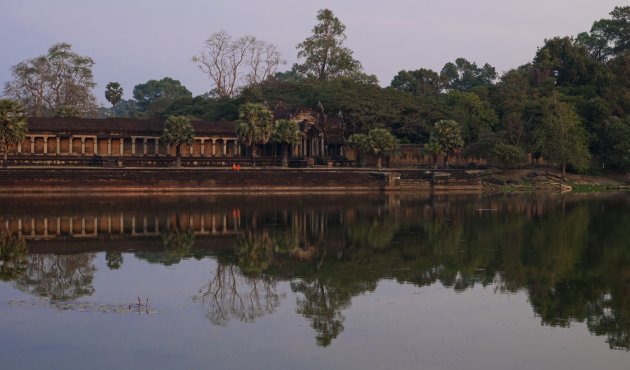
(26, 181)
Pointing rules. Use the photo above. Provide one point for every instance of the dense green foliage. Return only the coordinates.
(12, 126)
(323, 53)
(155, 96)
(447, 136)
(286, 132)
(61, 78)
(255, 126)
(177, 131)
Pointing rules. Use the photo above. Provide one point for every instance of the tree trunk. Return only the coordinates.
(285, 155)
(378, 162)
(253, 155)
(178, 156)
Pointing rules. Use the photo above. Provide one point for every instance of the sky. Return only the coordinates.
(133, 41)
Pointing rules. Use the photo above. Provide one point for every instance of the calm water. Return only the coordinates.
(353, 282)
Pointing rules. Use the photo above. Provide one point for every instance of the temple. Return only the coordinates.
(131, 142)
(128, 141)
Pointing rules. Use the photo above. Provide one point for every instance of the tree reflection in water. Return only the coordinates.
(114, 259)
(231, 294)
(176, 245)
(13, 256)
(58, 277)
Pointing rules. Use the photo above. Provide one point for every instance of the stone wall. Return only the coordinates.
(114, 180)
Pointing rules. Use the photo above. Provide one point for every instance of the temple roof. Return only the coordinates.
(121, 126)
(155, 127)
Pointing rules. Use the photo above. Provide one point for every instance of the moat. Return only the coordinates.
(361, 281)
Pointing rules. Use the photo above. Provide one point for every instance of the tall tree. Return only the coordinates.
(67, 111)
(177, 131)
(323, 53)
(113, 94)
(255, 126)
(421, 82)
(164, 91)
(565, 62)
(608, 37)
(12, 126)
(466, 76)
(286, 132)
(560, 137)
(230, 63)
(474, 114)
(48, 82)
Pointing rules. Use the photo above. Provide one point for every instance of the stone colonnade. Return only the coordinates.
(86, 145)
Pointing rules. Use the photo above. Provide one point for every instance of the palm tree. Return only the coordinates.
(113, 94)
(448, 135)
(360, 143)
(255, 126)
(433, 149)
(177, 131)
(383, 144)
(286, 132)
(12, 126)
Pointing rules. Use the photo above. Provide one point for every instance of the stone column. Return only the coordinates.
(203, 149)
(191, 148)
(214, 141)
(144, 146)
(45, 144)
(32, 144)
(70, 140)
(157, 146)
(58, 145)
(133, 146)
(82, 145)
(168, 150)
(95, 145)
(121, 150)
(224, 147)
(109, 147)
(19, 148)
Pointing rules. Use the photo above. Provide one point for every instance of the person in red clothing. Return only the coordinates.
(238, 168)
(234, 167)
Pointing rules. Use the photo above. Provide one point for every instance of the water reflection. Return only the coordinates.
(58, 277)
(13, 256)
(231, 294)
(570, 254)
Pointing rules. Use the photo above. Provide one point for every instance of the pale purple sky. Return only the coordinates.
(133, 41)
